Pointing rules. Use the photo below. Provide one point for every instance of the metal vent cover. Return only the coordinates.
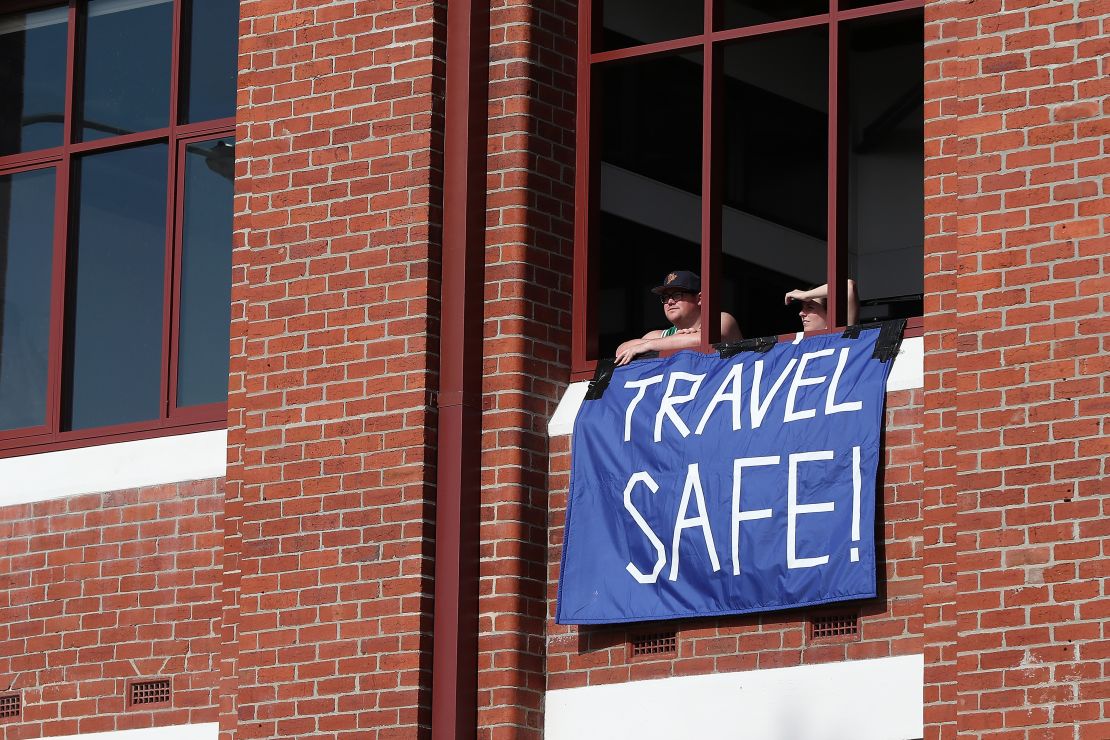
(654, 643)
(150, 692)
(11, 705)
(834, 625)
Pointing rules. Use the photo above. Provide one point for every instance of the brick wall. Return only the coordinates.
(1031, 369)
(314, 621)
(99, 589)
(888, 625)
(340, 124)
(528, 272)
(942, 24)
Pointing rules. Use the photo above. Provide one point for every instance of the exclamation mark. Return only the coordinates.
(855, 502)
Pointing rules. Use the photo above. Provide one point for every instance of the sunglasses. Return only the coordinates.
(675, 296)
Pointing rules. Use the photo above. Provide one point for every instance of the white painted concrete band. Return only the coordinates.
(200, 731)
(908, 372)
(909, 366)
(113, 467)
(877, 699)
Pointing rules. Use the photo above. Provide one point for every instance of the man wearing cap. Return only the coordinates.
(680, 295)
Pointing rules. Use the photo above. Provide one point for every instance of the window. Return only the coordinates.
(116, 169)
(766, 144)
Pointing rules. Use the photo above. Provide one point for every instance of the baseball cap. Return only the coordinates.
(679, 280)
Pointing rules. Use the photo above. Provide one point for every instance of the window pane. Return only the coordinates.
(211, 46)
(205, 315)
(116, 274)
(740, 13)
(32, 79)
(26, 245)
(774, 224)
(849, 4)
(650, 187)
(633, 22)
(126, 68)
(886, 164)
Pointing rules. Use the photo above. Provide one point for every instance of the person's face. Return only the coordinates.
(681, 307)
(813, 315)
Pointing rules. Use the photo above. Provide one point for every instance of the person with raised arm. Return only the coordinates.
(813, 309)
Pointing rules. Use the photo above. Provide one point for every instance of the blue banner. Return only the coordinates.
(702, 485)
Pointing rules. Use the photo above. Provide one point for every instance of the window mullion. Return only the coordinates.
(62, 198)
(836, 271)
(711, 148)
(168, 279)
(584, 341)
(55, 358)
(68, 115)
(171, 285)
(175, 65)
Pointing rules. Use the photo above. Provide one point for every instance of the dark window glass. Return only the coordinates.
(886, 163)
(116, 277)
(205, 314)
(211, 66)
(849, 4)
(633, 22)
(742, 13)
(26, 246)
(774, 225)
(32, 79)
(650, 187)
(126, 67)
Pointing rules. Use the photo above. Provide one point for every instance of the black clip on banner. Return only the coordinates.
(602, 375)
(852, 332)
(755, 344)
(890, 339)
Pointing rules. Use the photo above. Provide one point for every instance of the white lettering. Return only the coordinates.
(729, 391)
(670, 400)
(759, 408)
(642, 384)
(661, 553)
(798, 382)
(794, 510)
(693, 483)
(744, 516)
(831, 406)
(856, 485)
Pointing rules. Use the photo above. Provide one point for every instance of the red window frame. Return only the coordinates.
(172, 419)
(584, 338)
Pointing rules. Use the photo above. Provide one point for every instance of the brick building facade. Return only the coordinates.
(396, 336)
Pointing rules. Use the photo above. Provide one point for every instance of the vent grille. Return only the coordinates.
(834, 625)
(654, 643)
(11, 705)
(150, 692)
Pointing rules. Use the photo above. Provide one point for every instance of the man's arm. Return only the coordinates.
(730, 329)
(633, 347)
(653, 341)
